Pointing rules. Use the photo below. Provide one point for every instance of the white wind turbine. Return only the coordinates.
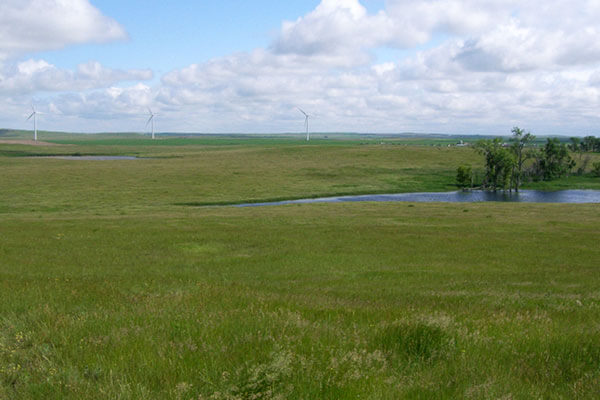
(151, 120)
(306, 118)
(34, 115)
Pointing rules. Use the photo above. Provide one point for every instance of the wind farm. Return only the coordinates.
(151, 119)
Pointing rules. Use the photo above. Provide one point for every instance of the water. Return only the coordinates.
(93, 158)
(524, 196)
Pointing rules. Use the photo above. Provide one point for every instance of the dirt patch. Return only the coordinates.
(28, 142)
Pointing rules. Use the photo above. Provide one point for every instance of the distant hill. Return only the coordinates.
(403, 136)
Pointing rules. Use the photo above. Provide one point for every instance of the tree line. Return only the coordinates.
(508, 165)
(585, 145)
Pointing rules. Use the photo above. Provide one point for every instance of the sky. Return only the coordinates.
(238, 66)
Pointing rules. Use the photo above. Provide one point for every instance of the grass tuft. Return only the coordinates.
(417, 341)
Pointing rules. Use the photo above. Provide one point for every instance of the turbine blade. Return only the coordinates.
(32, 114)
(150, 111)
(302, 111)
(150, 119)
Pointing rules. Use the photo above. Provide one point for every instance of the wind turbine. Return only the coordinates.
(151, 120)
(306, 117)
(34, 115)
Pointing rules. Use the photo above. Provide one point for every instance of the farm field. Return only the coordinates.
(125, 279)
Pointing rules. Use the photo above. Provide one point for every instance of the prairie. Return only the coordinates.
(113, 286)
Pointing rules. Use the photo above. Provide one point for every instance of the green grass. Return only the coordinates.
(109, 288)
(172, 175)
(587, 181)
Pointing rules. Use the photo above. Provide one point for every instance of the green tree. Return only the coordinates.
(464, 176)
(519, 140)
(576, 146)
(596, 169)
(555, 161)
(499, 164)
(589, 143)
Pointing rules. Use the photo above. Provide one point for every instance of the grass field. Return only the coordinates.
(111, 287)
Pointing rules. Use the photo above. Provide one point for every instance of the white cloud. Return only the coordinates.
(30, 26)
(344, 26)
(35, 76)
(501, 63)
(484, 66)
(34, 25)
(335, 28)
(111, 103)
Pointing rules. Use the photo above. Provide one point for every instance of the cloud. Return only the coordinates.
(500, 63)
(36, 25)
(35, 76)
(466, 66)
(502, 35)
(344, 26)
(334, 28)
(30, 26)
(111, 103)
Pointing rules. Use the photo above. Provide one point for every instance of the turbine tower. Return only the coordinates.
(34, 115)
(151, 120)
(306, 117)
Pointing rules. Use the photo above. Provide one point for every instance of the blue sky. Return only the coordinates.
(449, 66)
(188, 31)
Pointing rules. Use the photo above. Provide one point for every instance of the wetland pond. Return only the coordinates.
(524, 196)
(92, 158)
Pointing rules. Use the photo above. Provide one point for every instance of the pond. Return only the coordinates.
(524, 196)
(92, 158)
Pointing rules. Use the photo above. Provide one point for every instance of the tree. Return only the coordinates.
(555, 161)
(499, 164)
(464, 176)
(589, 143)
(575, 144)
(596, 169)
(519, 140)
